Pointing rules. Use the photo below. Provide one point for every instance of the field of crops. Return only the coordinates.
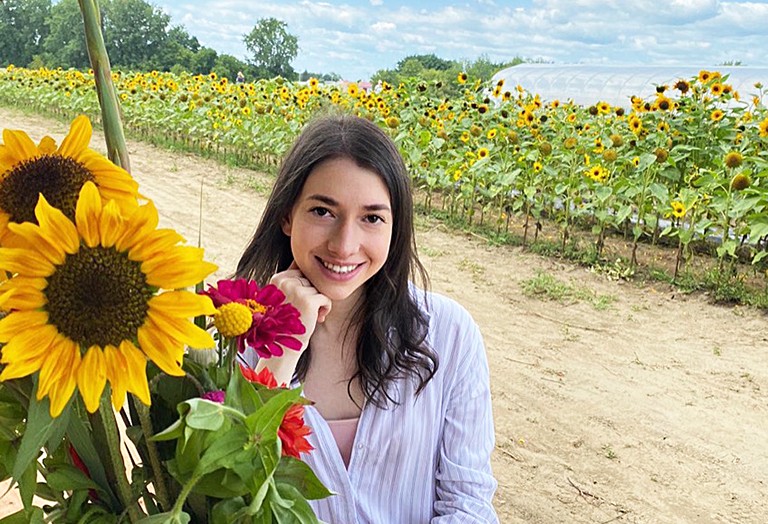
(688, 167)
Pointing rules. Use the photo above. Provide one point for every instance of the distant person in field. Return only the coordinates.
(240, 78)
(398, 376)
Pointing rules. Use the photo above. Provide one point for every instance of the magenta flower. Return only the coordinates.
(217, 396)
(274, 320)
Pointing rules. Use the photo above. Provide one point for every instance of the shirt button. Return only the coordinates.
(360, 446)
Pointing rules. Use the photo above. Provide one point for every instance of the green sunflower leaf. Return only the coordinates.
(41, 428)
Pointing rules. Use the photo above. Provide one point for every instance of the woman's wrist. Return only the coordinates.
(282, 367)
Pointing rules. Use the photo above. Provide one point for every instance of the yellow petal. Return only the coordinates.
(183, 304)
(47, 146)
(154, 243)
(19, 145)
(25, 262)
(63, 389)
(29, 236)
(77, 139)
(136, 371)
(117, 374)
(87, 214)
(159, 349)
(179, 268)
(110, 225)
(59, 366)
(181, 329)
(141, 222)
(19, 321)
(56, 227)
(27, 348)
(22, 298)
(92, 377)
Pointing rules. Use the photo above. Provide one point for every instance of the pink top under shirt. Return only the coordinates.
(343, 431)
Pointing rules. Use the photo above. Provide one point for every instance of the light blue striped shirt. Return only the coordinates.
(426, 460)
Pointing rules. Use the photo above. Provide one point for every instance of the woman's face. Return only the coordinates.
(340, 227)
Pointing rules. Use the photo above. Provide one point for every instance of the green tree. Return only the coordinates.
(430, 61)
(273, 48)
(135, 33)
(65, 43)
(22, 29)
(228, 66)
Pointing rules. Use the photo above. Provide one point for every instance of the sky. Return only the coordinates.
(357, 38)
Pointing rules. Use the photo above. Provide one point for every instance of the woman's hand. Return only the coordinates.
(313, 307)
(299, 291)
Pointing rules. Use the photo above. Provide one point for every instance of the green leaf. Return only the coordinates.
(267, 420)
(230, 443)
(166, 518)
(299, 511)
(34, 516)
(226, 511)
(82, 440)
(659, 191)
(204, 414)
(298, 474)
(40, 428)
(758, 230)
(27, 484)
(66, 477)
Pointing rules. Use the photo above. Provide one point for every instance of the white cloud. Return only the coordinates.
(383, 27)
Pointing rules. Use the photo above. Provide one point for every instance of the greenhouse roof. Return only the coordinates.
(589, 84)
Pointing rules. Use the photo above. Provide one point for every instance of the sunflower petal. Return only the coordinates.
(47, 146)
(183, 304)
(87, 214)
(155, 243)
(141, 222)
(30, 236)
(117, 374)
(20, 143)
(159, 349)
(181, 329)
(26, 351)
(110, 225)
(25, 262)
(56, 227)
(22, 298)
(181, 267)
(136, 375)
(78, 138)
(92, 377)
(58, 367)
(21, 321)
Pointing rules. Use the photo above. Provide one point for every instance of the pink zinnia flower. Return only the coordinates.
(274, 321)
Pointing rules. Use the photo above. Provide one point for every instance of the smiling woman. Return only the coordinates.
(397, 376)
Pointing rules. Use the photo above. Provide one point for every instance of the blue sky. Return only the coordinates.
(357, 38)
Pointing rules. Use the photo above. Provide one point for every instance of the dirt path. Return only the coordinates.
(650, 411)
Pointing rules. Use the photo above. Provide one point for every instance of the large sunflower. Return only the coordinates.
(28, 170)
(93, 299)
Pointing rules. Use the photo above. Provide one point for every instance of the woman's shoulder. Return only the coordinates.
(440, 309)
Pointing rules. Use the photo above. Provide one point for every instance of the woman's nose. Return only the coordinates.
(344, 240)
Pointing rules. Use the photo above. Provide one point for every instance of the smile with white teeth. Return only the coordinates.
(339, 269)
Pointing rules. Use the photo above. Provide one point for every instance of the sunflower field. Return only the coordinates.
(687, 168)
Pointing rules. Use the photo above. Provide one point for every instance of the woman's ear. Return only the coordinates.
(287, 226)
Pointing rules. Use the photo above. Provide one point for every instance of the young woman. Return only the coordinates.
(402, 424)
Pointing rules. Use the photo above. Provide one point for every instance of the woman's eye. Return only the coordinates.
(373, 219)
(320, 211)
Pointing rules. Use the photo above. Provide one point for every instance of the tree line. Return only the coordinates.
(139, 36)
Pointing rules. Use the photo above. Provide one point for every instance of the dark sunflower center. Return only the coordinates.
(57, 177)
(98, 296)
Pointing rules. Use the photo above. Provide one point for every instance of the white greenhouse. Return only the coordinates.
(588, 84)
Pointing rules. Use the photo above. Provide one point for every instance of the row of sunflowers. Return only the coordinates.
(100, 308)
(689, 164)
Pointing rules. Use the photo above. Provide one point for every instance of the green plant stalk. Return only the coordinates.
(105, 426)
(117, 151)
(161, 491)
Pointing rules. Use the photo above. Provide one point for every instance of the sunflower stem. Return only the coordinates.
(117, 151)
(105, 427)
(161, 491)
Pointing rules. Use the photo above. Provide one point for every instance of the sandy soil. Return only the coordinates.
(654, 410)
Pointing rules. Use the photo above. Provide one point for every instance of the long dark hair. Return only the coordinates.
(392, 326)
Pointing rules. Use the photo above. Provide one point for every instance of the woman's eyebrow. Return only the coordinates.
(332, 202)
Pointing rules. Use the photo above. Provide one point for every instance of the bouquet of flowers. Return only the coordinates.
(99, 313)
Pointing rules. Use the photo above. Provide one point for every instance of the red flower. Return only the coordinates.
(274, 321)
(293, 431)
(79, 464)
